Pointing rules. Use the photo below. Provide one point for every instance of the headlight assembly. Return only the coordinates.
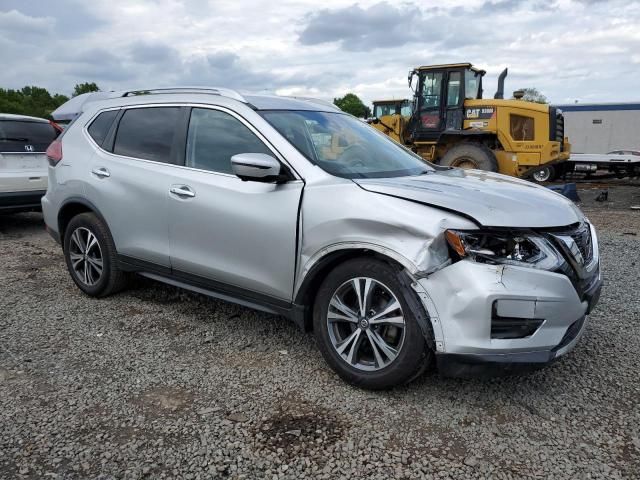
(526, 249)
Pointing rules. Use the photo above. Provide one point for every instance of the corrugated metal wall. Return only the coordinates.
(601, 129)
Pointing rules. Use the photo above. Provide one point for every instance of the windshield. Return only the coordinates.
(345, 146)
(471, 84)
(384, 109)
(403, 108)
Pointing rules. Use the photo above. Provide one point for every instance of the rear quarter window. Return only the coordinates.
(25, 136)
(100, 126)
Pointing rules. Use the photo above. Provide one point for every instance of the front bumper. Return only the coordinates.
(462, 301)
(462, 365)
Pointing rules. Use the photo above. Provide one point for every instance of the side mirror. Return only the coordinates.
(257, 167)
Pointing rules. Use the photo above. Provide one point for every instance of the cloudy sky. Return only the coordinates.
(585, 50)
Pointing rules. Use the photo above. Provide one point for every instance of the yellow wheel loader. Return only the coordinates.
(449, 123)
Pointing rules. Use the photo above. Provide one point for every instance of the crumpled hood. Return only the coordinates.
(491, 199)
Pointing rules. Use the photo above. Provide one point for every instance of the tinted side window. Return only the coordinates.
(19, 136)
(147, 133)
(101, 125)
(214, 137)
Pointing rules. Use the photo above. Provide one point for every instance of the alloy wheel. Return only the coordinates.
(366, 324)
(86, 256)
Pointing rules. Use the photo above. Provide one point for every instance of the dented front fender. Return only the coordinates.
(343, 216)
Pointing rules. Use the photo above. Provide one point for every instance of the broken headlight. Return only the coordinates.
(526, 249)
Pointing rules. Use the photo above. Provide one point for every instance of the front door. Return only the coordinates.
(454, 101)
(238, 234)
(429, 119)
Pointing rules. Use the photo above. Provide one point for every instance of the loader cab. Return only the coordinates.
(383, 108)
(440, 92)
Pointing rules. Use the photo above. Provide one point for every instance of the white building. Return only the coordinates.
(602, 127)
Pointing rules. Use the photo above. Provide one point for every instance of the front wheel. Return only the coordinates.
(470, 155)
(365, 328)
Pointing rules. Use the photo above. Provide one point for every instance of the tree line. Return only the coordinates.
(37, 101)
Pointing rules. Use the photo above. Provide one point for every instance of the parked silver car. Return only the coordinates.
(23, 164)
(293, 207)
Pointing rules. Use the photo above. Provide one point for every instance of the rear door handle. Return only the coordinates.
(101, 172)
(182, 191)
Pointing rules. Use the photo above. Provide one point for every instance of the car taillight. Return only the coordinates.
(54, 152)
(56, 127)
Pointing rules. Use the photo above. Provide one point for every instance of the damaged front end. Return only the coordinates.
(494, 296)
(511, 298)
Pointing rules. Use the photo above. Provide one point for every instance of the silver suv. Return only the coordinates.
(292, 207)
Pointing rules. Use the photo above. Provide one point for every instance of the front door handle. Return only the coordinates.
(182, 191)
(101, 172)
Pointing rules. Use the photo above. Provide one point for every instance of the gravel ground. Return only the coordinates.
(158, 383)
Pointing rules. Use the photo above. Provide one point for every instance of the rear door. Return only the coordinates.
(229, 232)
(129, 179)
(23, 164)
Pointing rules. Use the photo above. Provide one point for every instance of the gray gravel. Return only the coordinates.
(159, 383)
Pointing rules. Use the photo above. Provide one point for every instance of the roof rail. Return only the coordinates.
(223, 92)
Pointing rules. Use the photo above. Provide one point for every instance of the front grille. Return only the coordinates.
(576, 245)
(582, 237)
(556, 126)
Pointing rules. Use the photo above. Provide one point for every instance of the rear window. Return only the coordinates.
(99, 128)
(521, 128)
(25, 136)
(147, 133)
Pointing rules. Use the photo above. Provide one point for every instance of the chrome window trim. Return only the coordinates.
(221, 108)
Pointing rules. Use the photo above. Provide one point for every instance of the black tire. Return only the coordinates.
(547, 174)
(111, 279)
(414, 355)
(470, 155)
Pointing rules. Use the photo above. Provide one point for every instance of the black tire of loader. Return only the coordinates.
(479, 154)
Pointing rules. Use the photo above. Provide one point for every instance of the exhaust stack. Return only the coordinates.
(500, 91)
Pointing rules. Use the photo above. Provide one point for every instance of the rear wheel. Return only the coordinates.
(365, 328)
(470, 155)
(91, 256)
(547, 174)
